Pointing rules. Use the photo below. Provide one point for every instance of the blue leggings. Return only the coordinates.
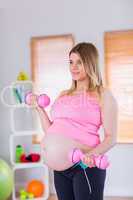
(77, 183)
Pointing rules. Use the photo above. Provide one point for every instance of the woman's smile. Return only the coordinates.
(75, 73)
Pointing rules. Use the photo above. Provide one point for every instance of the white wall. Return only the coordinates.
(87, 20)
(4, 113)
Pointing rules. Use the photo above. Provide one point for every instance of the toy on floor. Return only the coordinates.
(100, 161)
(25, 195)
(6, 180)
(36, 187)
(22, 158)
(43, 100)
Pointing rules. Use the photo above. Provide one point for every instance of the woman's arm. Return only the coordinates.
(45, 121)
(109, 115)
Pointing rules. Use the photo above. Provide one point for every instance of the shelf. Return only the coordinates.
(24, 119)
(26, 141)
(27, 165)
(21, 106)
(41, 132)
(22, 82)
(25, 124)
(23, 176)
(34, 198)
(14, 95)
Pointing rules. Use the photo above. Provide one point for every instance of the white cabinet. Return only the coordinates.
(25, 126)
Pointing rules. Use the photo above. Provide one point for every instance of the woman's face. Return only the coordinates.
(77, 69)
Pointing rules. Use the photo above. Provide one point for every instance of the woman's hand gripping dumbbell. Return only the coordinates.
(33, 100)
(100, 161)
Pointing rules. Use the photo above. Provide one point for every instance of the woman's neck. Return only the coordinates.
(82, 86)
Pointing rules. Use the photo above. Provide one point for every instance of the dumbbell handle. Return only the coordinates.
(43, 100)
(100, 161)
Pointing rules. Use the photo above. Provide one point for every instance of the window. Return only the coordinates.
(50, 64)
(49, 56)
(119, 78)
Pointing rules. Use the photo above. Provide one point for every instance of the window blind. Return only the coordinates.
(119, 78)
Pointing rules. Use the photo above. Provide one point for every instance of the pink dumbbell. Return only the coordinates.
(100, 161)
(43, 100)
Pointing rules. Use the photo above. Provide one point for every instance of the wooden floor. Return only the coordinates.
(119, 198)
(53, 197)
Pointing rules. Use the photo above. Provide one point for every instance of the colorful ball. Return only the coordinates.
(36, 187)
(6, 180)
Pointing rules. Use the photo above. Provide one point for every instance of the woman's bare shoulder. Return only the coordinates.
(64, 92)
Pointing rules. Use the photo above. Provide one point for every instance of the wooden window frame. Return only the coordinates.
(123, 137)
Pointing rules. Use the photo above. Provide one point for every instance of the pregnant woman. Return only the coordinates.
(77, 115)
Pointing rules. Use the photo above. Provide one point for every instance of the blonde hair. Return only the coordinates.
(89, 56)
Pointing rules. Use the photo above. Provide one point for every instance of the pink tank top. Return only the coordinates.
(77, 117)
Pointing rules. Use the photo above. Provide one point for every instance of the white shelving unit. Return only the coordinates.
(25, 125)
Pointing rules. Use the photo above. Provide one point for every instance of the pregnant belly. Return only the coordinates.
(57, 148)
